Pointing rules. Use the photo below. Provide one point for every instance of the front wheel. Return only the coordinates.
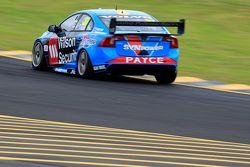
(84, 66)
(38, 59)
(167, 76)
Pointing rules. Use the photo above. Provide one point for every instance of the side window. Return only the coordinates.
(90, 25)
(85, 23)
(70, 23)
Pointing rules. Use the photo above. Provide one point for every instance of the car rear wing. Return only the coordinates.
(180, 25)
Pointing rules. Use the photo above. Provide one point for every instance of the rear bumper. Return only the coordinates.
(135, 69)
(143, 60)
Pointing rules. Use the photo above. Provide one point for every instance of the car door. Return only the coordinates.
(82, 32)
(63, 44)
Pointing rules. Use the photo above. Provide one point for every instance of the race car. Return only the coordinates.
(119, 42)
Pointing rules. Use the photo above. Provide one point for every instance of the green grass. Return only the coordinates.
(216, 45)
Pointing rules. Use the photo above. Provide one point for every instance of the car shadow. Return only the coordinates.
(123, 79)
(106, 78)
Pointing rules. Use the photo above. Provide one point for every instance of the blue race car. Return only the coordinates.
(112, 41)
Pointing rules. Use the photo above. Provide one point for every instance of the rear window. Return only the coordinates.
(106, 21)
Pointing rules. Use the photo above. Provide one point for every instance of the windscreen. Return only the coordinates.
(106, 21)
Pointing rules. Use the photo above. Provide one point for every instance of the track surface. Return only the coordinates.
(124, 103)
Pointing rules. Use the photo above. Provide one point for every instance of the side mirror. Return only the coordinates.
(54, 28)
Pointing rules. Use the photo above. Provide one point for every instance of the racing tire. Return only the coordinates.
(84, 67)
(38, 59)
(166, 77)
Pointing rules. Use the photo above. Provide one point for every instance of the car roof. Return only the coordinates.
(111, 12)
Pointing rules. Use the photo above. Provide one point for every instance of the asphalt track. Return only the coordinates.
(121, 103)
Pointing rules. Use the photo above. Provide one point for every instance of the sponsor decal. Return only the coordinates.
(98, 29)
(101, 67)
(126, 17)
(139, 47)
(87, 42)
(134, 40)
(60, 70)
(143, 60)
(45, 48)
(61, 50)
(53, 51)
(65, 43)
(66, 58)
(135, 44)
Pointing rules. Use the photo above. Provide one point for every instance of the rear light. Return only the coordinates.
(133, 38)
(173, 41)
(110, 41)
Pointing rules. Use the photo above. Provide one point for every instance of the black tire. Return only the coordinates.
(167, 76)
(84, 67)
(38, 59)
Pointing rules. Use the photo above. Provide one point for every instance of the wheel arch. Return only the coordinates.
(78, 54)
(89, 65)
(43, 62)
(45, 53)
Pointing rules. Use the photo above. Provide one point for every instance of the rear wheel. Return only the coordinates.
(167, 76)
(84, 66)
(38, 59)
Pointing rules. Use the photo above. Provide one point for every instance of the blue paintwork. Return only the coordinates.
(101, 55)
